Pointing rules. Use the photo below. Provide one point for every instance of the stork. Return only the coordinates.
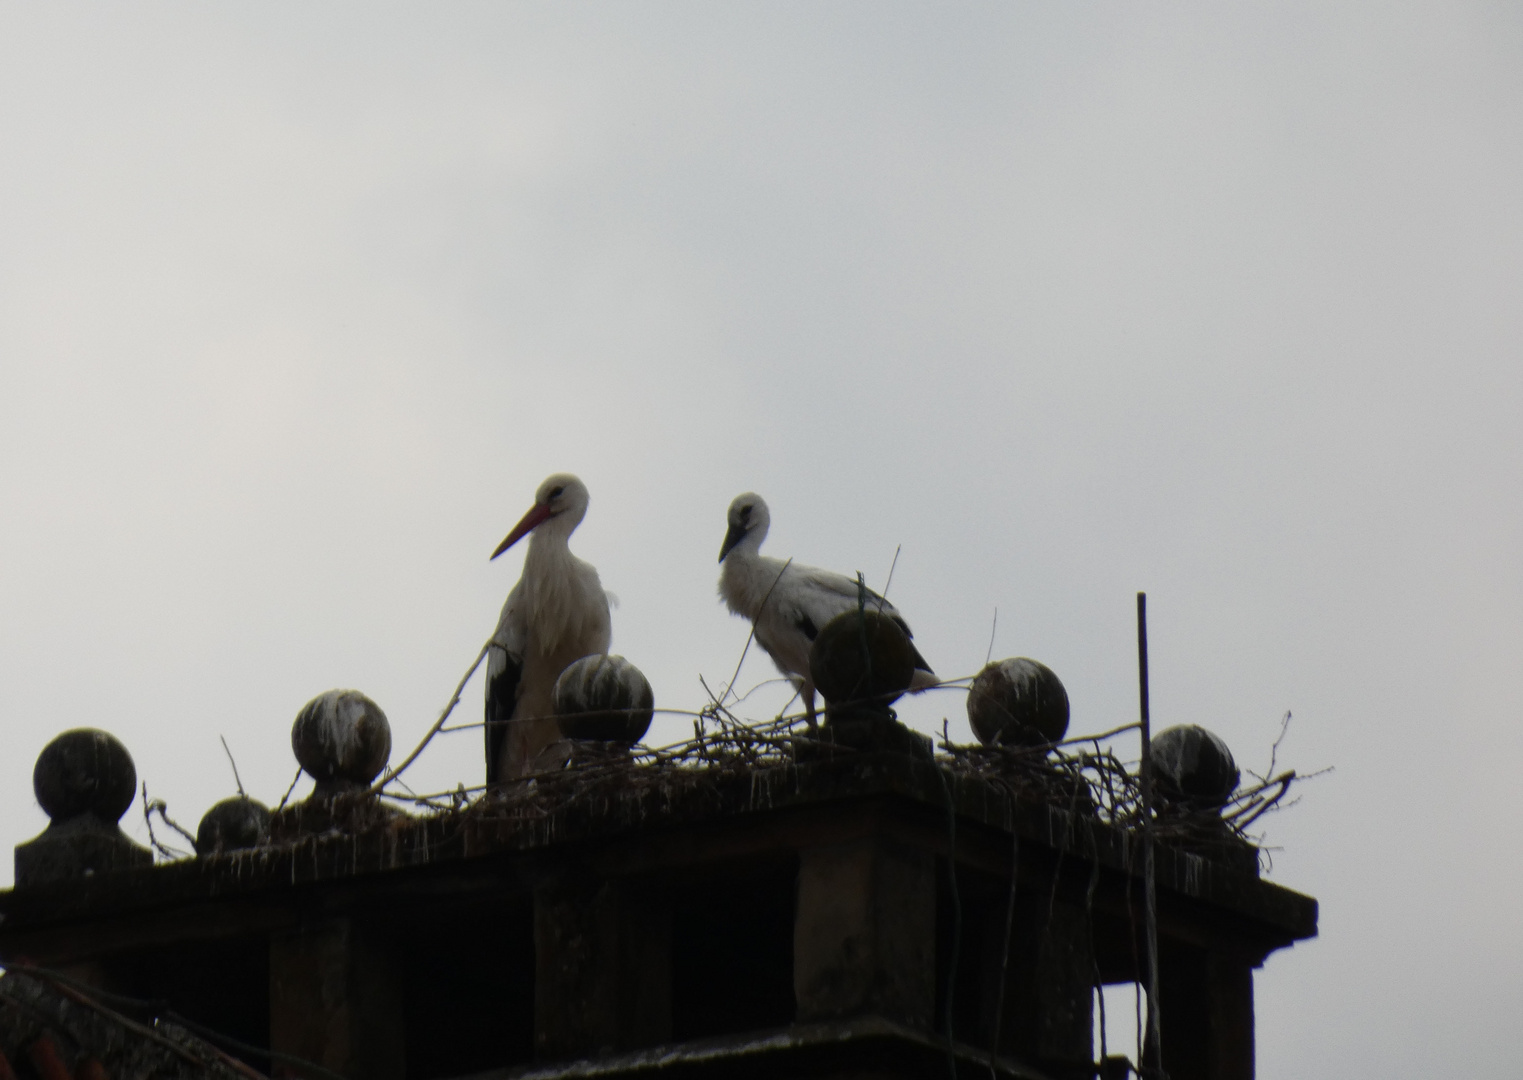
(555, 615)
(788, 603)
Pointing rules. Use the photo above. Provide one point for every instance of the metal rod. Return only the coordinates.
(1153, 1044)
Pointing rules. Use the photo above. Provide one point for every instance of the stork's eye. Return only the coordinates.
(557, 492)
(745, 513)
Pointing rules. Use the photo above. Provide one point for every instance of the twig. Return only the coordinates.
(290, 789)
(730, 689)
(767, 682)
(152, 806)
(439, 723)
(234, 764)
(993, 626)
(797, 691)
(891, 566)
(716, 708)
(1274, 750)
(153, 838)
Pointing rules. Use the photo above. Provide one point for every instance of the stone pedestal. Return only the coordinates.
(602, 967)
(1206, 1009)
(865, 932)
(77, 848)
(85, 781)
(871, 732)
(1050, 987)
(336, 1000)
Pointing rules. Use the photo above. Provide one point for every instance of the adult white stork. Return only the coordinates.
(555, 615)
(788, 603)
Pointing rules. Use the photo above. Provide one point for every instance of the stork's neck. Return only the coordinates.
(561, 593)
(549, 548)
(747, 577)
(749, 545)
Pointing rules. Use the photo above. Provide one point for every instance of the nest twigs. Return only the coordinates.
(1084, 776)
(722, 746)
(1093, 781)
(1249, 805)
(1081, 775)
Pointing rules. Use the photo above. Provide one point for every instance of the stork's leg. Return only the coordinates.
(806, 692)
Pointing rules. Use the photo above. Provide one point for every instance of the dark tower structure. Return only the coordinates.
(840, 905)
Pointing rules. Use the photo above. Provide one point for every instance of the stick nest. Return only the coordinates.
(1080, 776)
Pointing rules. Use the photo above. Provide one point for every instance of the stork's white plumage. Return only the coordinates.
(555, 615)
(788, 603)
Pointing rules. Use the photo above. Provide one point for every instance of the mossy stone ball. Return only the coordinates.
(85, 771)
(862, 658)
(1193, 766)
(341, 738)
(603, 699)
(1018, 702)
(232, 825)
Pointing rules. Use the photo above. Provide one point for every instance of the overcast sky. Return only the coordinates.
(299, 303)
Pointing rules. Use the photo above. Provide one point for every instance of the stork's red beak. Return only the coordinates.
(537, 514)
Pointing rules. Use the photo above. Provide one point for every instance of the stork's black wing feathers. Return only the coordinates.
(920, 661)
(504, 671)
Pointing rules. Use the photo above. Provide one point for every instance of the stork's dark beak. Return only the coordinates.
(731, 538)
(538, 513)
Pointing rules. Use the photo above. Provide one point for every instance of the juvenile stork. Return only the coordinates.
(556, 614)
(788, 603)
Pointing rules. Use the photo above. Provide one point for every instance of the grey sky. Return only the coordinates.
(298, 305)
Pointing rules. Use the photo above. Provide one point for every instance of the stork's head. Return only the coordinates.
(748, 521)
(561, 499)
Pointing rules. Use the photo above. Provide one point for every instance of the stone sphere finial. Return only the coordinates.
(1194, 767)
(862, 660)
(342, 740)
(603, 699)
(84, 780)
(85, 771)
(232, 825)
(1018, 702)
